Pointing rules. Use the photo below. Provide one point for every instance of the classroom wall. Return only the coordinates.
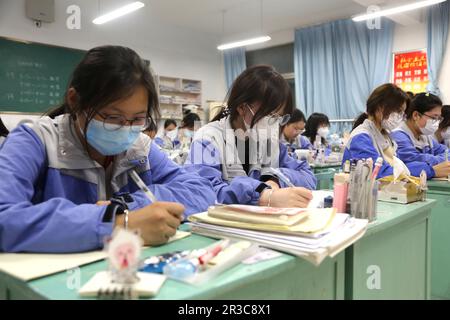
(172, 51)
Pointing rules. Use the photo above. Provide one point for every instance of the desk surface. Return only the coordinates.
(54, 286)
(439, 185)
(390, 214)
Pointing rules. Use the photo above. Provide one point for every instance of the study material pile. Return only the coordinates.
(312, 234)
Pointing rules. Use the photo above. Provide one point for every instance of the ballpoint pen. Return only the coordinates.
(281, 176)
(133, 174)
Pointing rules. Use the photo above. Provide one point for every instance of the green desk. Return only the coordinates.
(397, 248)
(324, 167)
(285, 277)
(440, 239)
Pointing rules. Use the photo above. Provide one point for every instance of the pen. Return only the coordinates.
(133, 174)
(211, 253)
(282, 176)
(378, 165)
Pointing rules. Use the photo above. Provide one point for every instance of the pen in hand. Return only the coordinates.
(135, 177)
(280, 175)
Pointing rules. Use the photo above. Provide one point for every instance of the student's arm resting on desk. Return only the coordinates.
(408, 153)
(297, 171)
(56, 225)
(172, 183)
(204, 158)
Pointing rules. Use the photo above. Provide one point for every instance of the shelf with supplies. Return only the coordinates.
(176, 95)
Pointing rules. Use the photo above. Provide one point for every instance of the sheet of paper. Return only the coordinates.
(28, 266)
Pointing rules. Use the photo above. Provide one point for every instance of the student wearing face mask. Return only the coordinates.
(168, 139)
(65, 180)
(415, 136)
(317, 129)
(237, 150)
(443, 133)
(292, 136)
(189, 124)
(370, 135)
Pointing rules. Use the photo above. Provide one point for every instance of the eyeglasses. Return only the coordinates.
(282, 120)
(435, 120)
(273, 118)
(115, 122)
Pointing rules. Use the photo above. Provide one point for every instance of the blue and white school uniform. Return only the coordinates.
(425, 150)
(366, 141)
(214, 155)
(50, 186)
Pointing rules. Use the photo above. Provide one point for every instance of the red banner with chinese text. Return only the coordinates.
(410, 71)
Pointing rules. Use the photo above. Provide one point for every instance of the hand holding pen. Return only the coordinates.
(157, 222)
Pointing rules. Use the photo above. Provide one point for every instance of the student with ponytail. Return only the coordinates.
(237, 150)
(370, 136)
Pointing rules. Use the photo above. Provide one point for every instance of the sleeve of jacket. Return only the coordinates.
(414, 160)
(298, 171)
(361, 147)
(172, 183)
(57, 225)
(205, 159)
(305, 143)
(408, 153)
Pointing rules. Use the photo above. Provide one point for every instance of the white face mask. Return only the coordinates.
(446, 134)
(172, 134)
(430, 128)
(394, 120)
(323, 132)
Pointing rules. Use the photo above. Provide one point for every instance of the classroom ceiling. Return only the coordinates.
(243, 16)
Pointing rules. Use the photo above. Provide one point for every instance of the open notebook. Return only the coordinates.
(28, 266)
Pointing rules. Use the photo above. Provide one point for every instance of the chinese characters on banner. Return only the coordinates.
(410, 71)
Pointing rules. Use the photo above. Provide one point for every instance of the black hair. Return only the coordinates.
(107, 74)
(410, 94)
(312, 125)
(3, 130)
(189, 120)
(151, 126)
(296, 116)
(423, 102)
(168, 122)
(259, 83)
(388, 96)
(445, 117)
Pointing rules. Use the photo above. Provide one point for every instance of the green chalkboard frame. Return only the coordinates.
(34, 79)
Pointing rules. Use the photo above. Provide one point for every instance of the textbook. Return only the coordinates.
(340, 234)
(315, 220)
(258, 215)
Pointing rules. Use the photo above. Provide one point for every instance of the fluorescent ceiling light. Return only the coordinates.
(395, 10)
(243, 43)
(119, 12)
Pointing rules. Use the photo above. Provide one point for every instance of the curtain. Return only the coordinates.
(234, 61)
(338, 64)
(438, 20)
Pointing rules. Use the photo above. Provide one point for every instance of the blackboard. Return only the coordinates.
(33, 76)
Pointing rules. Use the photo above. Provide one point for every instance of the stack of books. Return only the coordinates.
(312, 234)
